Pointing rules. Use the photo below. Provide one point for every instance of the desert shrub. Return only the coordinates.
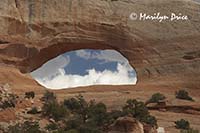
(87, 116)
(90, 111)
(76, 124)
(33, 111)
(189, 131)
(8, 101)
(97, 113)
(77, 105)
(26, 127)
(30, 94)
(139, 111)
(155, 98)
(7, 104)
(151, 120)
(89, 129)
(113, 115)
(73, 123)
(182, 124)
(54, 110)
(92, 117)
(72, 131)
(51, 127)
(136, 108)
(73, 104)
(48, 96)
(60, 130)
(183, 94)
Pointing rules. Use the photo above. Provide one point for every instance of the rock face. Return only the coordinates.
(32, 32)
(127, 125)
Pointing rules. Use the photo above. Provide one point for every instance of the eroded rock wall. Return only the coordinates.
(166, 53)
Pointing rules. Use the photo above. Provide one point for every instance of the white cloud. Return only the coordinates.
(106, 55)
(51, 67)
(110, 56)
(107, 77)
(84, 54)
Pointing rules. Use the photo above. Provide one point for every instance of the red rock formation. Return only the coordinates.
(165, 55)
(127, 125)
(33, 32)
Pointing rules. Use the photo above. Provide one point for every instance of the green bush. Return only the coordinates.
(182, 124)
(73, 123)
(90, 111)
(77, 105)
(89, 129)
(80, 126)
(183, 94)
(73, 104)
(139, 111)
(136, 108)
(7, 104)
(30, 94)
(189, 131)
(33, 111)
(54, 110)
(60, 130)
(87, 116)
(91, 117)
(97, 113)
(113, 115)
(8, 101)
(26, 127)
(72, 131)
(151, 120)
(48, 96)
(155, 98)
(52, 126)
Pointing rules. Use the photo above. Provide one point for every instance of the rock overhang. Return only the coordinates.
(35, 31)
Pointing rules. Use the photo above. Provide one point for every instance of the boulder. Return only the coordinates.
(127, 125)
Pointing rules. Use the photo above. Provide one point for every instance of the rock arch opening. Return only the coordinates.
(85, 67)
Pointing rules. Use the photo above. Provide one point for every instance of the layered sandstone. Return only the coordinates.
(165, 55)
(32, 32)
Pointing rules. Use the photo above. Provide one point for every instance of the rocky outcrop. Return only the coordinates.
(32, 32)
(127, 125)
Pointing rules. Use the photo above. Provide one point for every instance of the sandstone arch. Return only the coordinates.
(32, 32)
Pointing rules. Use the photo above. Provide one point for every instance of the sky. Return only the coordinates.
(84, 68)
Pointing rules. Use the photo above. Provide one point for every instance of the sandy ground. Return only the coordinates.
(113, 96)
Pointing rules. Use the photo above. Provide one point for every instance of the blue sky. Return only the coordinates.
(99, 64)
(84, 68)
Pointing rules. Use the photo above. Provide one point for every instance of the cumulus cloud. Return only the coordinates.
(84, 54)
(62, 80)
(51, 67)
(106, 55)
(52, 74)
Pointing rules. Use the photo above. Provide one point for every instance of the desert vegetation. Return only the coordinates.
(30, 94)
(77, 115)
(26, 127)
(155, 98)
(7, 99)
(184, 126)
(183, 94)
